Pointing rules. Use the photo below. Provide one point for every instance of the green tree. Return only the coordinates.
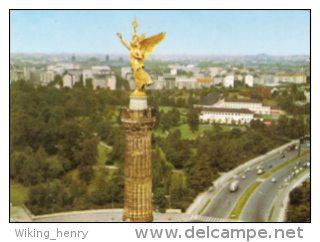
(294, 89)
(116, 186)
(160, 170)
(174, 157)
(86, 173)
(32, 173)
(37, 198)
(53, 168)
(117, 154)
(193, 119)
(18, 163)
(156, 114)
(235, 133)
(78, 189)
(70, 135)
(177, 186)
(89, 83)
(201, 175)
(87, 154)
(103, 129)
(257, 96)
(159, 200)
(169, 119)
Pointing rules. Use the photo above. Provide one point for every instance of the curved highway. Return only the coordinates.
(258, 207)
(223, 203)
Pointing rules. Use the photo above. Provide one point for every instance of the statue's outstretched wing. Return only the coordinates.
(142, 37)
(148, 44)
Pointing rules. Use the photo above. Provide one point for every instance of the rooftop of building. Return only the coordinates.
(211, 99)
(243, 100)
(228, 110)
(291, 74)
(203, 79)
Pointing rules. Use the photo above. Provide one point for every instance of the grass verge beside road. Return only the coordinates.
(235, 214)
(278, 168)
(271, 214)
(204, 207)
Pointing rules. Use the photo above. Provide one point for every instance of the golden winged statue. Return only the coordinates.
(140, 48)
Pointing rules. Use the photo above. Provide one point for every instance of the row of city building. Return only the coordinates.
(71, 73)
(213, 76)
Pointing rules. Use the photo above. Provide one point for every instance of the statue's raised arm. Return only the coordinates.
(140, 48)
(123, 42)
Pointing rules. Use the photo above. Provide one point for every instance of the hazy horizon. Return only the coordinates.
(158, 54)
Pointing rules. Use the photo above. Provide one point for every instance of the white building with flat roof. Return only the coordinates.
(86, 74)
(46, 77)
(248, 80)
(253, 105)
(104, 82)
(101, 70)
(68, 80)
(216, 100)
(228, 81)
(185, 82)
(228, 115)
(291, 78)
(214, 71)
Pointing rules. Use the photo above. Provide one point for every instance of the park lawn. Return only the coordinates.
(267, 116)
(103, 154)
(186, 133)
(270, 102)
(166, 109)
(305, 119)
(158, 133)
(115, 115)
(183, 117)
(18, 193)
(98, 171)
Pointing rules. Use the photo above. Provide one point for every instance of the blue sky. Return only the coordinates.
(230, 32)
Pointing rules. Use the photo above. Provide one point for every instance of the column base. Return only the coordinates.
(138, 219)
(138, 103)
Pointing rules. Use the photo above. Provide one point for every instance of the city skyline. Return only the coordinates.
(197, 32)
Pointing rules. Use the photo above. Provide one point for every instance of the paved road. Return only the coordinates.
(224, 201)
(259, 205)
(107, 215)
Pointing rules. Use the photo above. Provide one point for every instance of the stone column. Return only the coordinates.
(138, 122)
